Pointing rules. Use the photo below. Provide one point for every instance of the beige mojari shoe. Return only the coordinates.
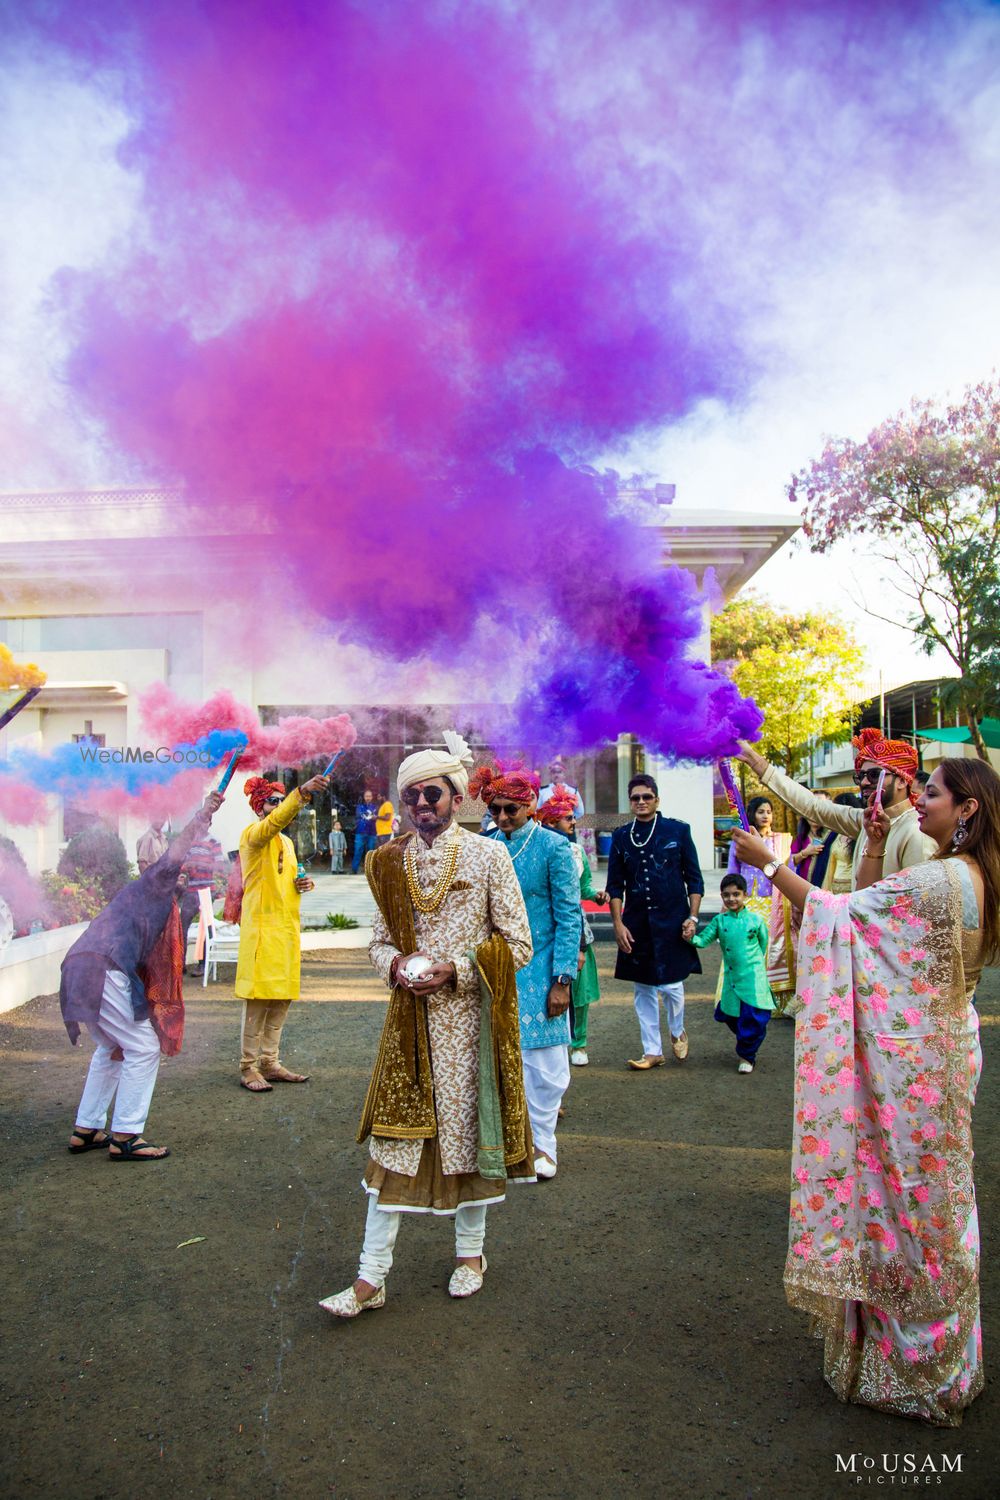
(346, 1305)
(679, 1046)
(466, 1281)
(640, 1064)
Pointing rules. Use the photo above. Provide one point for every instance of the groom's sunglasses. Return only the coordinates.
(431, 794)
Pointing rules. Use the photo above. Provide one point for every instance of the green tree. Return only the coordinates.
(803, 672)
(924, 487)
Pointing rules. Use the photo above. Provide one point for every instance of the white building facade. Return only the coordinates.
(106, 591)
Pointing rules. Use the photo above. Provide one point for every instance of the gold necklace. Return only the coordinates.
(429, 901)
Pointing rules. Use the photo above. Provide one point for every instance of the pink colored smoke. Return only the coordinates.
(292, 742)
(404, 270)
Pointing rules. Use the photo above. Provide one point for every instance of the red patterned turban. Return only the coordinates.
(895, 756)
(517, 784)
(562, 804)
(258, 789)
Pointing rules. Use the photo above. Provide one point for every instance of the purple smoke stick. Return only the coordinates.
(733, 793)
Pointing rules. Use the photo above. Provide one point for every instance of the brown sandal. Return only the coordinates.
(282, 1075)
(254, 1082)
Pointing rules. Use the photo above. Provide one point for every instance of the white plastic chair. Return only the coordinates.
(219, 941)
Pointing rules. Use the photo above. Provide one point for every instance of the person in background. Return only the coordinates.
(760, 813)
(365, 837)
(384, 819)
(338, 848)
(585, 990)
(920, 780)
(811, 846)
(267, 971)
(883, 1245)
(557, 782)
(841, 862)
(152, 844)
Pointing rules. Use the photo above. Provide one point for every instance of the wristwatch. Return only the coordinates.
(565, 979)
(772, 867)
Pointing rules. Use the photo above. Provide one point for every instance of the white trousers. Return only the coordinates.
(546, 1079)
(134, 1078)
(382, 1227)
(647, 1008)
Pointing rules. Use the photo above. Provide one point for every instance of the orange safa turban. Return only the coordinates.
(562, 804)
(258, 789)
(489, 782)
(895, 756)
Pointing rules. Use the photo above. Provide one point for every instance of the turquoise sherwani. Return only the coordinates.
(743, 938)
(546, 872)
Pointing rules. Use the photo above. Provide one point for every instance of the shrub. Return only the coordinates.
(96, 857)
(68, 901)
(337, 920)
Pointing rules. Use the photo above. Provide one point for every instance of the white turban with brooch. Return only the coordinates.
(455, 762)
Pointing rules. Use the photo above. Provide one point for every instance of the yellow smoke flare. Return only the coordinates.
(17, 674)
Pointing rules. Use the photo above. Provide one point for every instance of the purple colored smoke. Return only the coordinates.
(406, 270)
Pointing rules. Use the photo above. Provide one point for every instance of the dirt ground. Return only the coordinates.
(632, 1338)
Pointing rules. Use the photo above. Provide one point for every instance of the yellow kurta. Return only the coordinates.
(270, 942)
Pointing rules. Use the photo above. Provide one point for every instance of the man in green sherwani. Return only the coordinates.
(559, 813)
(745, 1005)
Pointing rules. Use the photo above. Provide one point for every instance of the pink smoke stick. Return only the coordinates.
(732, 791)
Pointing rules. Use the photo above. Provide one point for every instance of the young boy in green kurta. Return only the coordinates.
(745, 1005)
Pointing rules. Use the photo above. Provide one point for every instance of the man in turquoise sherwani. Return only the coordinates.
(746, 1004)
(544, 866)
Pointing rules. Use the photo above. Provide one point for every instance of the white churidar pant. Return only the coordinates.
(647, 1008)
(382, 1227)
(134, 1078)
(546, 1079)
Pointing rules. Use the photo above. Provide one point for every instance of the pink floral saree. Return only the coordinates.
(883, 1236)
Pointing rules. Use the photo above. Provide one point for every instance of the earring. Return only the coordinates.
(960, 835)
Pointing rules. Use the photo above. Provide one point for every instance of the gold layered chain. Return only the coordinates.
(429, 901)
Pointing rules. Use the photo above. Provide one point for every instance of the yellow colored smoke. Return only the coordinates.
(15, 674)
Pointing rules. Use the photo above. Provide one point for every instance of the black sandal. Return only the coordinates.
(129, 1149)
(89, 1142)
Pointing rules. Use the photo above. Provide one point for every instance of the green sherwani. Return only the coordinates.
(586, 986)
(743, 938)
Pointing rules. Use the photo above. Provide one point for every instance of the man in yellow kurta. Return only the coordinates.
(267, 973)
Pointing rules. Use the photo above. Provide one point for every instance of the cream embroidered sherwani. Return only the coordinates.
(484, 899)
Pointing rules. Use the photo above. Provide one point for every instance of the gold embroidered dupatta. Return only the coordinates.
(400, 1100)
(882, 1189)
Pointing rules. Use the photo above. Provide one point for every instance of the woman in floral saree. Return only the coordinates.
(883, 1236)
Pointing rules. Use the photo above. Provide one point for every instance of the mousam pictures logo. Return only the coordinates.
(913, 1469)
(132, 755)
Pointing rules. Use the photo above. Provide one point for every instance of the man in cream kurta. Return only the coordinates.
(905, 846)
(470, 884)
